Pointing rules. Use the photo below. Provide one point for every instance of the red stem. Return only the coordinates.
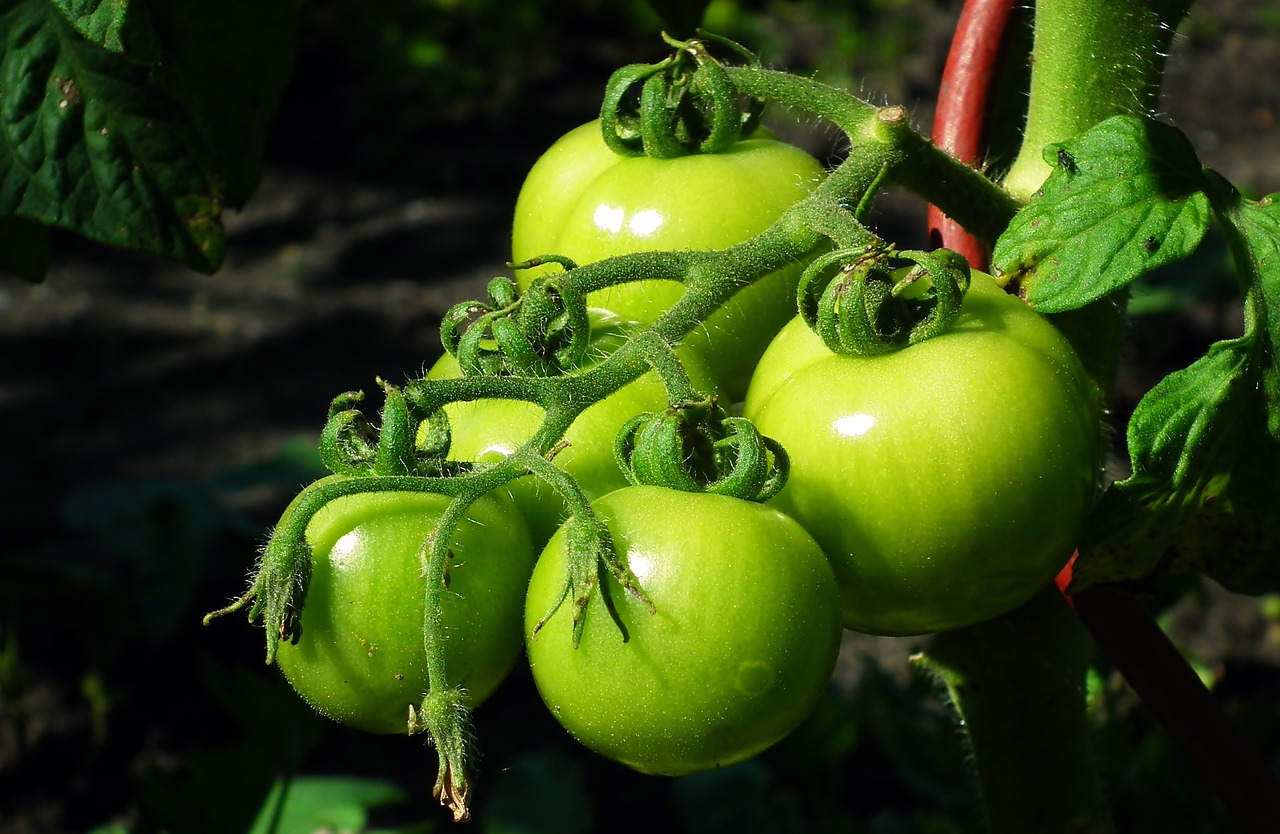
(1140, 650)
(964, 100)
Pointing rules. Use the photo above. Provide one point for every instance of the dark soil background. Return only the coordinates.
(156, 421)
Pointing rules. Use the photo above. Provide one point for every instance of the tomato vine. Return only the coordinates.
(1098, 195)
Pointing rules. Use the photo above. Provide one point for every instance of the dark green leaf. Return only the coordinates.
(1205, 442)
(88, 144)
(1255, 228)
(114, 25)
(1124, 197)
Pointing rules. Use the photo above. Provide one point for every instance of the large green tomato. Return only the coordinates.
(360, 659)
(582, 201)
(947, 482)
(489, 430)
(740, 648)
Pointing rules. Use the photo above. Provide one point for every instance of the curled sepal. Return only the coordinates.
(620, 111)
(566, 264)
(556, 318)
(280, 581)
(750, 109)
(544, 332)
(444, 717)
(859, 305)
(591, 558)
(698, 448)
(483, 335)
(350, 445)
(432, 440)
(753, 467)
(685, 104)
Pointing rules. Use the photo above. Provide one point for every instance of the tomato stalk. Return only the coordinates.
(1017, 683)
(1091, 60)
(882, 138)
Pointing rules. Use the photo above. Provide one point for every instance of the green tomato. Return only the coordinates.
(740, 648)
(582, 201)
(793, 349)
(360, 659)
(489, 430)
(947, 482)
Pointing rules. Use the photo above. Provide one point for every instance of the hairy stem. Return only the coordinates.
(1018, 683)
(1091, 60)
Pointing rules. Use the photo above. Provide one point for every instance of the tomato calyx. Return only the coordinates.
(861, 307)
(591, 556)
(683, 104)
(542, 332)
(406, 443)
(697, 447)
(276, 591)
(444, 717)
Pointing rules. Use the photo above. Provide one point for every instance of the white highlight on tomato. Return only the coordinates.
(854, 425)
(645, 223)
(609, 218)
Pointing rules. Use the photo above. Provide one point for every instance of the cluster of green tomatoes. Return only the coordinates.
(929, 488)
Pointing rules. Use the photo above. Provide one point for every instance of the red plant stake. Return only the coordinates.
(964, 99)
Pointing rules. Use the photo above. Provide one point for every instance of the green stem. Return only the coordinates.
(662, 357)
(1091, 60)
(1018, 685)
(884, 135)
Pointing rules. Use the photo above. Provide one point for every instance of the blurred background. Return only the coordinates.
(156, 422)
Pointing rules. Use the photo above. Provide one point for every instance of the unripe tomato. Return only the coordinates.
(740, 648)
(947, 482)
(582, 201)
(360, 659)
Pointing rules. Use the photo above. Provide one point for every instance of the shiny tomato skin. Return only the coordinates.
(360, 658)
(792, 349)
(947, 482)
(488, 430)
(582, 201)
(740, 648)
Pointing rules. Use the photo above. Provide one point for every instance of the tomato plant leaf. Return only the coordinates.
(324, 803)
(134, 123)
(88, 144)
(1205, 442)
(1124, 197)
(118, 26)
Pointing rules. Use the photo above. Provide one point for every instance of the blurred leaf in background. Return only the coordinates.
(134, 124)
